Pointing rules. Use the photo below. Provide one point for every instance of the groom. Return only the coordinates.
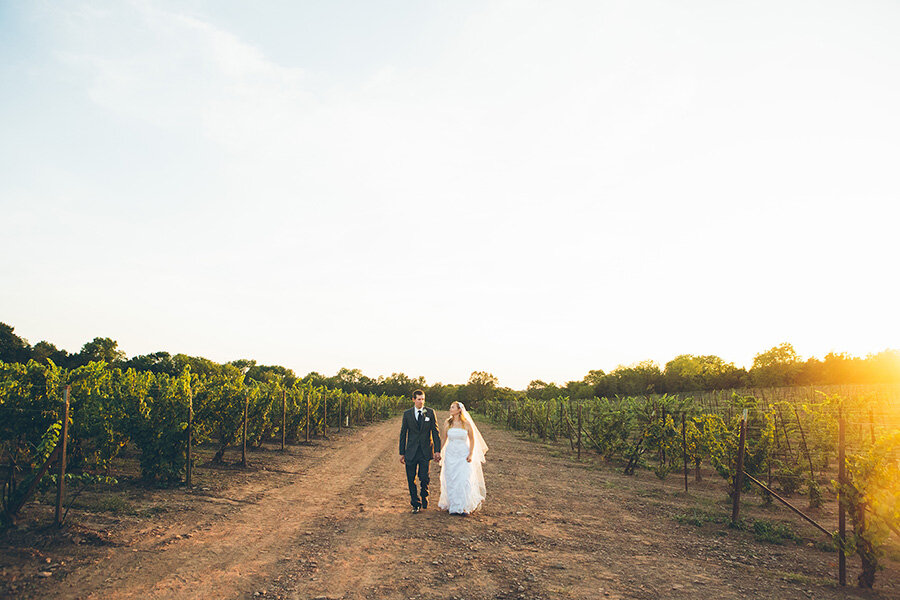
(420, 440)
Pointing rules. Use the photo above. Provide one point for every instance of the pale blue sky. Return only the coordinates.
(534, 189)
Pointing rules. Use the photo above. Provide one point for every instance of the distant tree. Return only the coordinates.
(579, 390)
(243, 363)
(883, 367)
(838, 368)
(265, 373)
(640, 378)
(594, 377)
(686, 373)
(105, 349)
(835, 369)
(730, 377)
(442, 396)
(480, 388)
(535, 389)
(313, 378)
(157, 362)
(350, 380)
(12, 347)
(778, 366)
(602, 385)
(398, 384)
(198, 364)
(44, 351)
(505, 395)
(683, 373)
(552, 391)
(418, 383)
(272, 374)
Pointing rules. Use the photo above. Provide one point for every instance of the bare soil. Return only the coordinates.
(332, 520)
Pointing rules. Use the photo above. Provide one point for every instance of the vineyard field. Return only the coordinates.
(331, 520)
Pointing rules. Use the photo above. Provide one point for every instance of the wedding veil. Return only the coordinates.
(480, 446)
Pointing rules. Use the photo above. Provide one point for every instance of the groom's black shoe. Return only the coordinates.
(424, 503)
(415, 509)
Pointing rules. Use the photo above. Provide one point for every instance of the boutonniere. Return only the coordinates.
(427, 419)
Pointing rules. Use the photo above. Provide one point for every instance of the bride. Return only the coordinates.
(462, 452)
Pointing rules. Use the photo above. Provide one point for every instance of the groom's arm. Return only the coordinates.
(403, 432)
(435, 433)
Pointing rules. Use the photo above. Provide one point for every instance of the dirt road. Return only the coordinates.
(332, 520)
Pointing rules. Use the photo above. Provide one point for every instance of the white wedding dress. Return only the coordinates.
(462, 482)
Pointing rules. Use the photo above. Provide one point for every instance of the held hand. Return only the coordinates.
(437, 456)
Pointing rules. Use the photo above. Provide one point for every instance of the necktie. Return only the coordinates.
(421, 419)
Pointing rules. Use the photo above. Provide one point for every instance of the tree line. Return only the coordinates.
(779, 366)
(15, 349)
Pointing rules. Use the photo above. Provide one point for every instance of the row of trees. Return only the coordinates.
(480, 386)
(15, 349)
(780, 366)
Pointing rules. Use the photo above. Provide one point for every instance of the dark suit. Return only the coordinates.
(418, 443)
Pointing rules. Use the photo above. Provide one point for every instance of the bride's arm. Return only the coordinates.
(471, 433)
(443, 437)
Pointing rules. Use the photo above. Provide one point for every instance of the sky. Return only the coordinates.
(534, 189)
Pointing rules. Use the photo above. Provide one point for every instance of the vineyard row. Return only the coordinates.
(159, 414)
(792, 443)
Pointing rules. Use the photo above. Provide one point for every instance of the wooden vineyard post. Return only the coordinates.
(772, 450)
(61, 483)
(244, 434)
(307, 417)
(340, 411)
(739, 472)
(188, 472)
(684, 449)
(325, 415)
(579, 431)
(560, 423)
(842, 513)
(283, 415)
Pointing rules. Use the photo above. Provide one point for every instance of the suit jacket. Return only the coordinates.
(428, 438)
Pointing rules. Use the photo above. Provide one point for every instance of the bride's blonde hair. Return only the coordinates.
(462, 416)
